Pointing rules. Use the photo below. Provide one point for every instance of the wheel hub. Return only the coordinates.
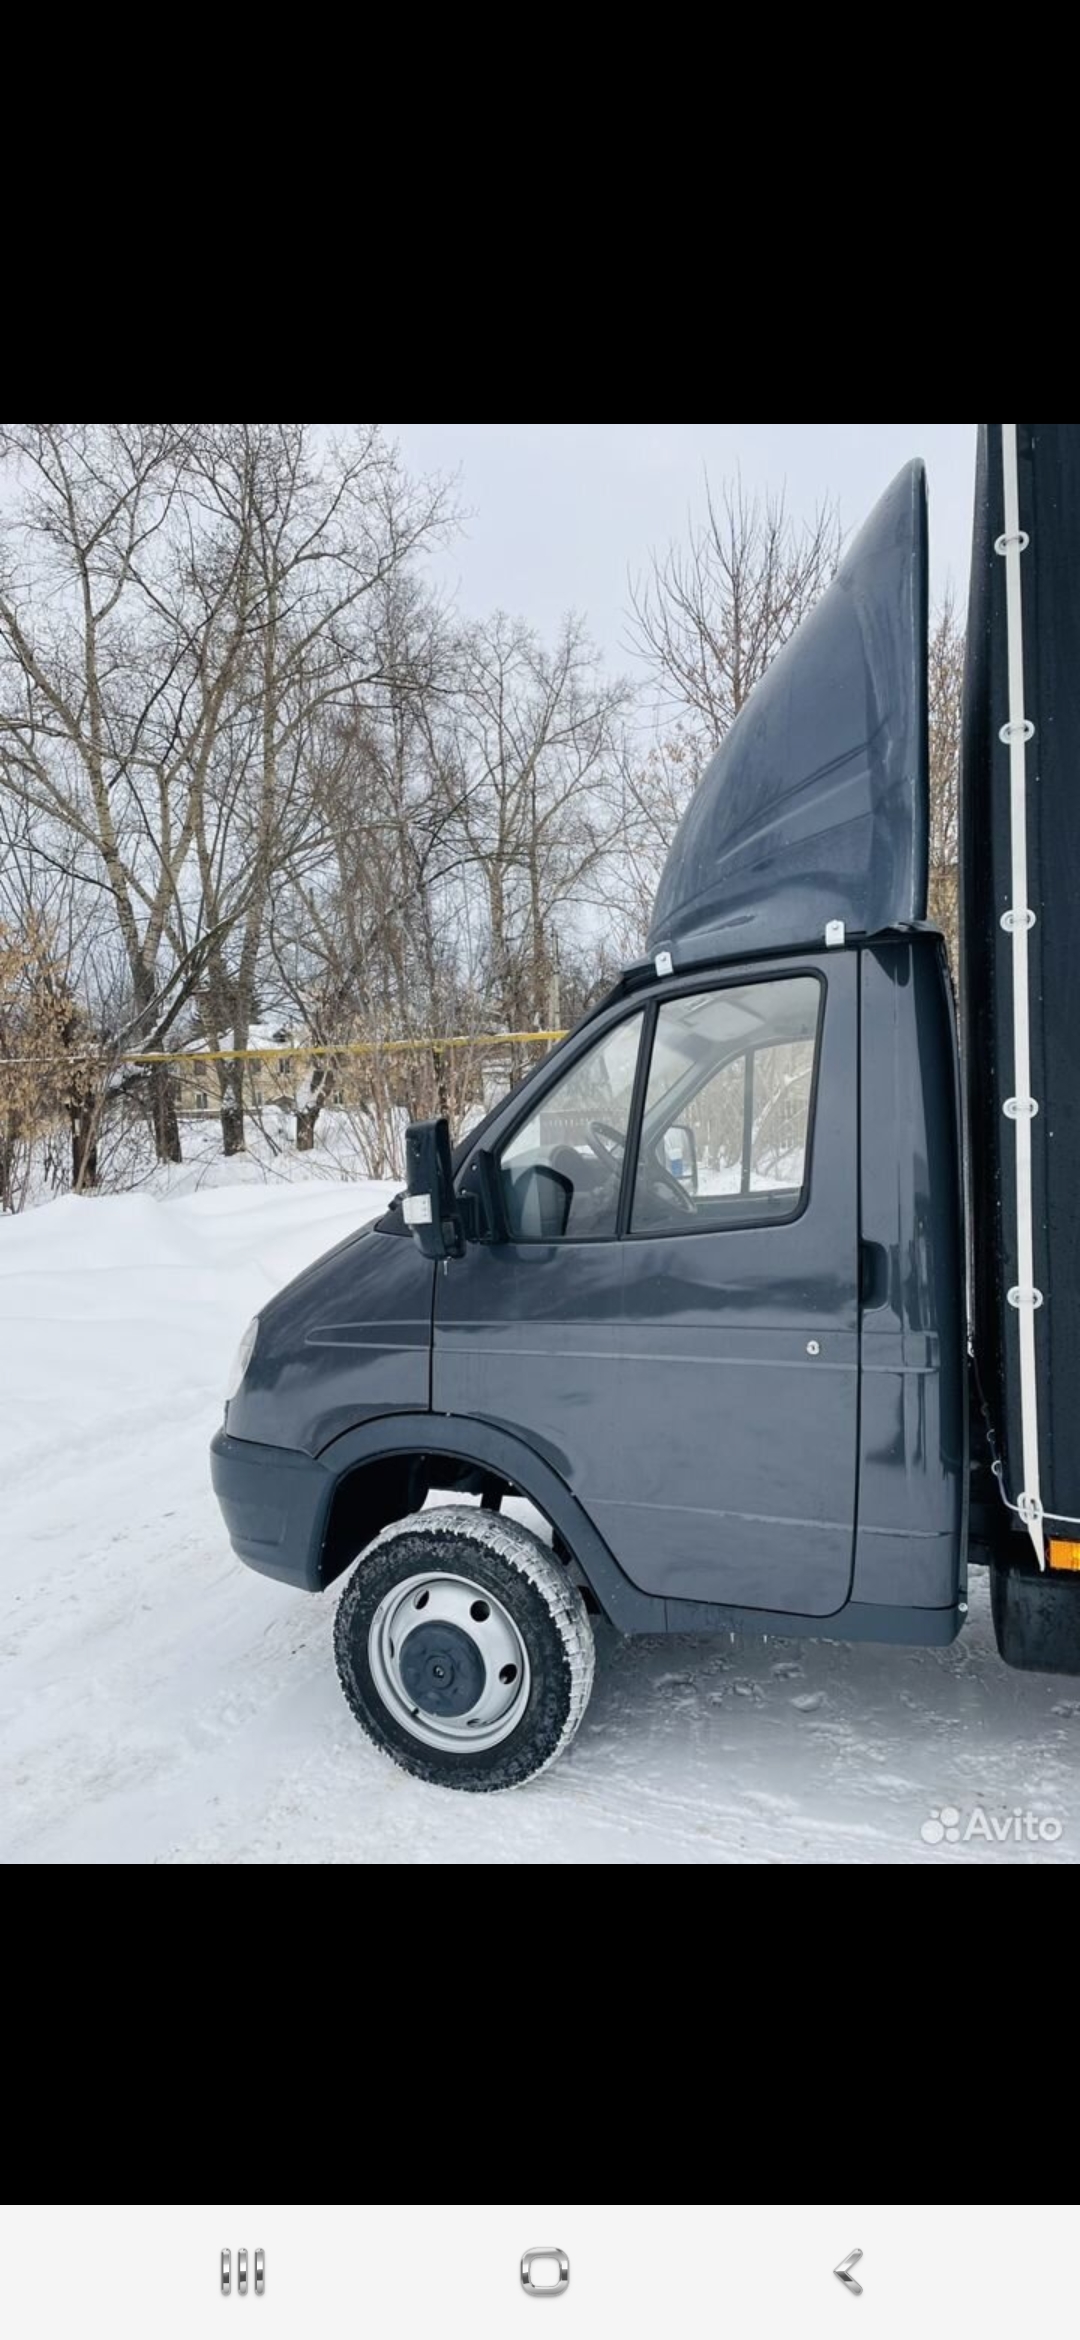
(442, 1670)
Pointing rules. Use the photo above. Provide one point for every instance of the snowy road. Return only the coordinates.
(158, 1703)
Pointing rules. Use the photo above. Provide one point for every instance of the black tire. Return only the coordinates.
(508, 1562)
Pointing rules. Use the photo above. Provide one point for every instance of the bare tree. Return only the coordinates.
(466, 810)
(373, 940)
(657, 780)
(947, 657)
(50, 1073)
(180, 606)
(97, 731)
(540, 740)
(328, 536)
(64, 994)
(710, 614)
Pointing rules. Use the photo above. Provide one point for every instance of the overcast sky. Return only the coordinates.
(561, 512)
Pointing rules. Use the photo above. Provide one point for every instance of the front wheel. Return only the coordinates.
(464, 1650)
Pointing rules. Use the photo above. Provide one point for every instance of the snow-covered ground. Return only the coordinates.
(158, 1703)
(345, 1150)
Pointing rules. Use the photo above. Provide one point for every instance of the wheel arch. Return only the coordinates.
(386, 1469)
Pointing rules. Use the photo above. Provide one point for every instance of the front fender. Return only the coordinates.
(507, 1458)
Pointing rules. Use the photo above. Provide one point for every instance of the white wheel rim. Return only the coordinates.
(449, 1664)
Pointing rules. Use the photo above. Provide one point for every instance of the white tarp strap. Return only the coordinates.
(1022, 1108)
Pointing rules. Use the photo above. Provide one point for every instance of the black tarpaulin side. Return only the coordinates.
(1050, 514)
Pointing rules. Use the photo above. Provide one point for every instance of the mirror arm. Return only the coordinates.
(483, 1210)
(472, 1217)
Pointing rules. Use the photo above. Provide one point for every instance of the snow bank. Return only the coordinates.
(345, 1149)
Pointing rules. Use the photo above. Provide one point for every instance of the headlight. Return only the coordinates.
(243, 1359)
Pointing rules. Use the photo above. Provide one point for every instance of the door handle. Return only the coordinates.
(873, 1275)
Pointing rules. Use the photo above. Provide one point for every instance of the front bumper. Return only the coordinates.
(275, 1505)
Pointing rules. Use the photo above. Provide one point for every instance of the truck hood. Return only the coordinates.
(816, 808)
(349, 1340)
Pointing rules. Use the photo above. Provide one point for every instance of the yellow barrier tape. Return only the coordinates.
(349, 1048)
(291, 1055)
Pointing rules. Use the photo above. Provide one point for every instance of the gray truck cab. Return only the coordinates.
(695, 1293)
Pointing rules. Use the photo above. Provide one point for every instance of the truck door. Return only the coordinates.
(738, 1407)
(528, 1333)
(674, 1323)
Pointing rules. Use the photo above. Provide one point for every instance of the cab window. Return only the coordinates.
(726, 1131)
(562, 1172)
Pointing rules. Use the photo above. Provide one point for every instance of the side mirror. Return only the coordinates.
(681, 1156)
(432, 1211)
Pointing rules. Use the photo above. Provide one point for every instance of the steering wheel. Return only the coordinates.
(608, 1145)
(660, 1178)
